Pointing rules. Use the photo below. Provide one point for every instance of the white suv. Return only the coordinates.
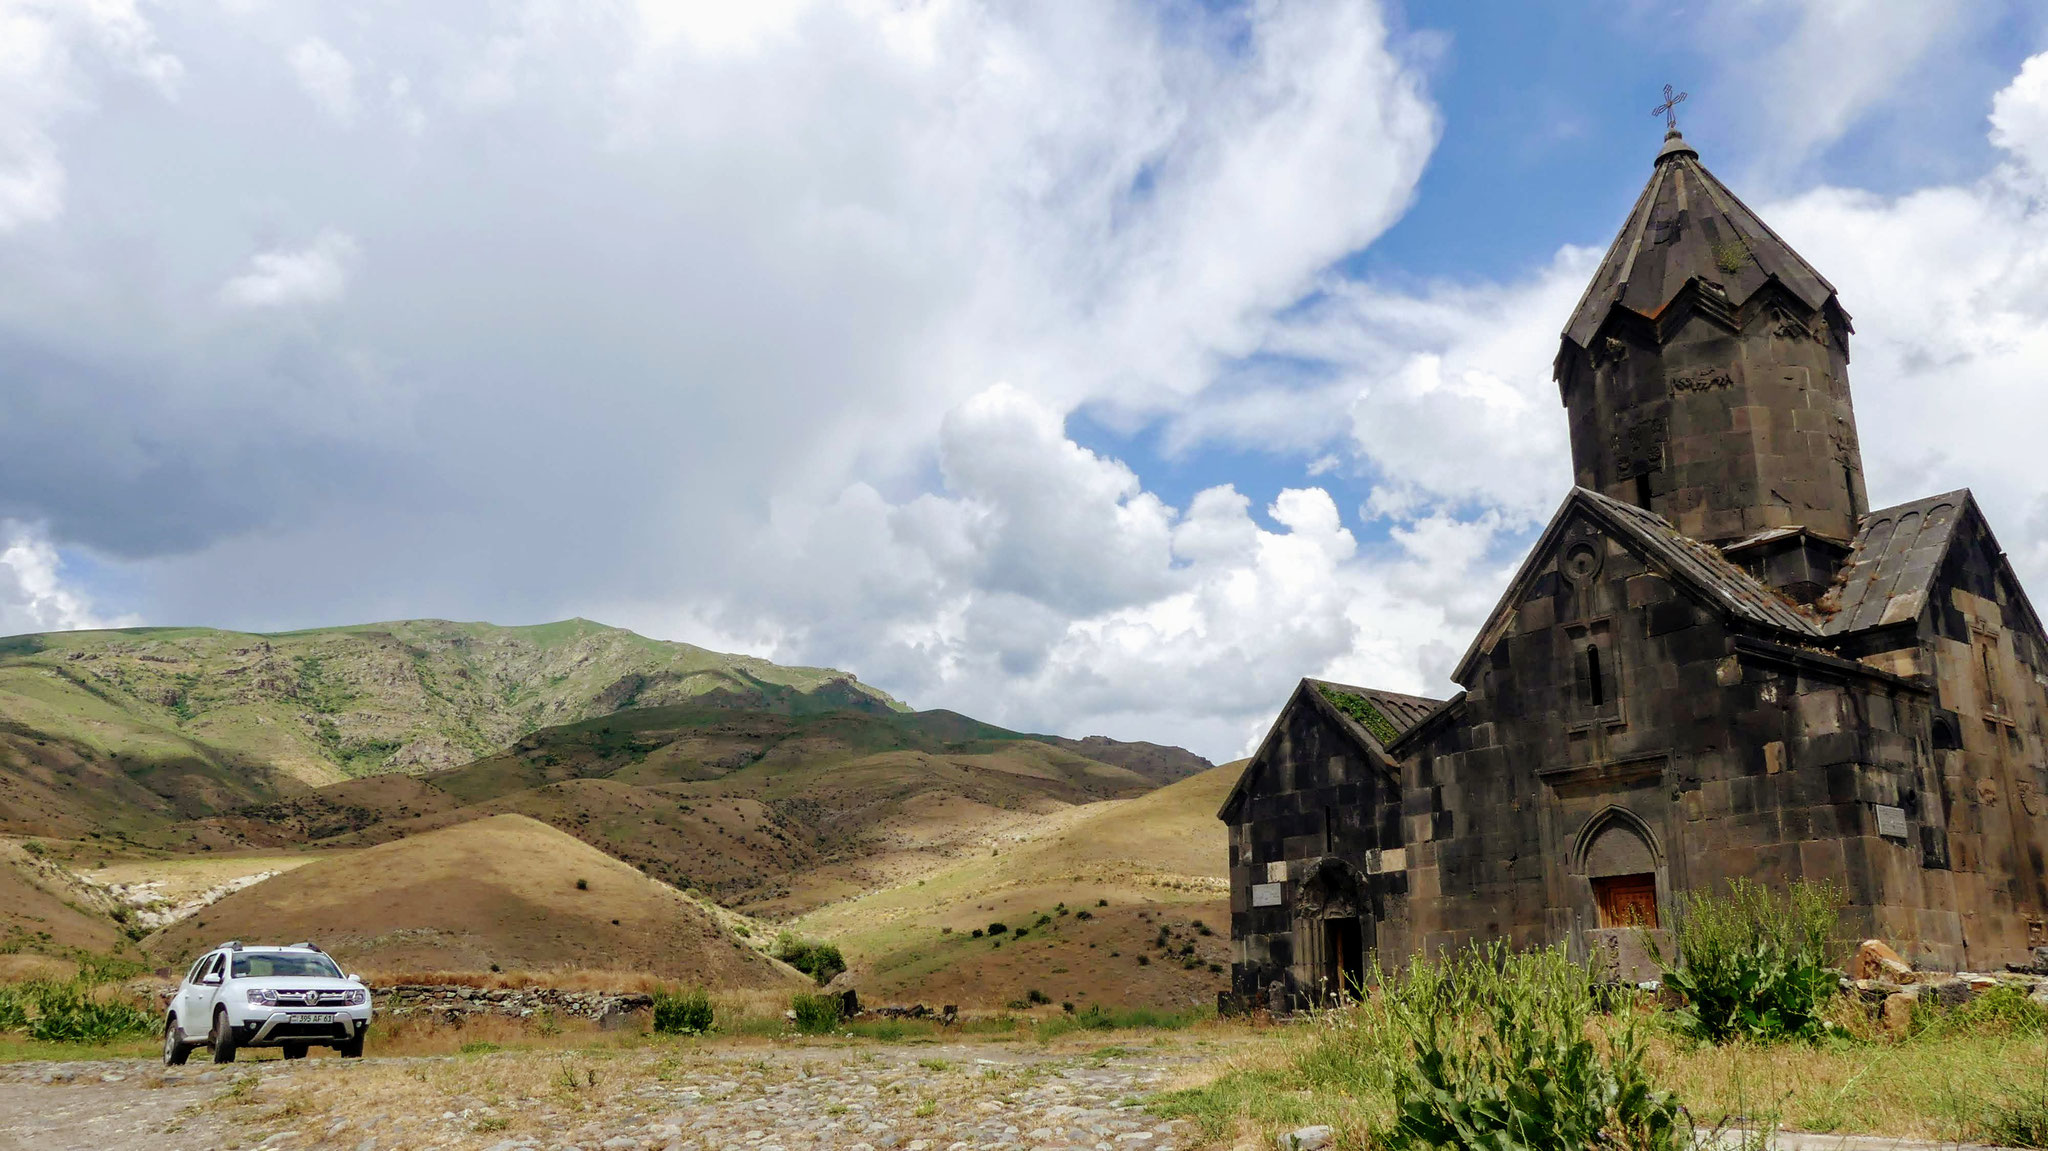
(289, 997)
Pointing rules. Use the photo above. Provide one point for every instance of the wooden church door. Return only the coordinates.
(1627, 900)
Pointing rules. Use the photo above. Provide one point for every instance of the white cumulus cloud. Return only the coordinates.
(1949, 289)
(327, 77)
(315, 274)
(51, 52)
(33, 595)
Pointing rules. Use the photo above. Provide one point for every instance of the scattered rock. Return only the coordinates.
(1897, 1015)
(1875, 960)
(1950, 992)
(1306, 1139)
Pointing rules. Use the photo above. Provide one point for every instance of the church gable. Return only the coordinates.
(1315, 823)
(1976, 588)
(1320, 718)
(1570, 559)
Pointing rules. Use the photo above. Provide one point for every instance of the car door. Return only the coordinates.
(181, 998)
(195, 999)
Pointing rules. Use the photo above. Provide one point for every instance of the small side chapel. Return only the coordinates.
(1716, 662)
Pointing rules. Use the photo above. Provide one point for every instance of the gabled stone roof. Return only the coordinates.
(1695, 566)
(1891, 567)
(1687, 225)
(1403, 712)
(1703, 565)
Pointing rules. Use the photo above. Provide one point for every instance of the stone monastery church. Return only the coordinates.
(1717, 662)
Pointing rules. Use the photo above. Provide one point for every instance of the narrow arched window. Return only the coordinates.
(1595, 684)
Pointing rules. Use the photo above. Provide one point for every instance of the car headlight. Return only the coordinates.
(355, 998)
(261, 997)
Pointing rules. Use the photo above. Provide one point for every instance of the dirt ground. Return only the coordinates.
(109, 1107)
(687, 1095)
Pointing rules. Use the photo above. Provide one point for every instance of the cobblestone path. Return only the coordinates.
(872, 1097)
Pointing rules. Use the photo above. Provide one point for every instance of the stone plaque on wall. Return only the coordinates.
(1276, 871)
(1266, 894)
(1891, 821)
(1639, 448)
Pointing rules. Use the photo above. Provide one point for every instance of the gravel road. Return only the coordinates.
(711, 1097)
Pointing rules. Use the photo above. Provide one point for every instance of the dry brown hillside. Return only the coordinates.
(1122, 903)
(505, 890)
(40, 907)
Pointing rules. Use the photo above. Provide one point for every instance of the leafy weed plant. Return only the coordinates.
(72, 1011)
(1512, 1065)
(1489, 1049)
(1753, 965)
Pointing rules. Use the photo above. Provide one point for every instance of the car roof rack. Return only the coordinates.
(310, 946)
(230, 945)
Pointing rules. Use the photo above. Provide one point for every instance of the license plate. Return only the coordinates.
(312, 1019)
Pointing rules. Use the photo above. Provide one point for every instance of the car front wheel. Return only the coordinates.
(175, 1049)
(351, 1048)
(223, 1038)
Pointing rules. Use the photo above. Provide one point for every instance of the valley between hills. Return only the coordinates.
(424, 796)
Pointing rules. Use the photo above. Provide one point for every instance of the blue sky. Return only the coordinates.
(1093, 368)
(1547, 137)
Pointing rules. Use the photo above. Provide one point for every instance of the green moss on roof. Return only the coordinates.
(1361, 709)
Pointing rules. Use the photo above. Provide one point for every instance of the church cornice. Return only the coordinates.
(1772, 303)
(1827, 664)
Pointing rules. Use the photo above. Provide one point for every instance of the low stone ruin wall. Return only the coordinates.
(1890, 987)
(455, 1004)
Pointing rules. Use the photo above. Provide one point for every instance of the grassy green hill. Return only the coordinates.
(119, 731)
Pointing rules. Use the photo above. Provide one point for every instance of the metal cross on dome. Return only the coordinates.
(1669, 108)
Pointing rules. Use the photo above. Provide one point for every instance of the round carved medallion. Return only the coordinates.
(1581, 561)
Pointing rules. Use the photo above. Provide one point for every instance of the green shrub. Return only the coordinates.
(997, 928)
(1501, 1059)
(70, 1012)
(820, 961)
(815, 1014)
(1754, 965)
(685, 1013)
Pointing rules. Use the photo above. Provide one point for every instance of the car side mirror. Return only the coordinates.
(211, 977)
(354, 978)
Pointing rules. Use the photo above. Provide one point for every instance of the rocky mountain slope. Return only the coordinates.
(121, 730)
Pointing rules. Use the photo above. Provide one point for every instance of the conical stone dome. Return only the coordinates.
(1687, 225)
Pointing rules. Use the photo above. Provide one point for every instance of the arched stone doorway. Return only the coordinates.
(1619, 857)
(1335, 925)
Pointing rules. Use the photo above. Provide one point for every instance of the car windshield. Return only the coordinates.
(291, 965)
